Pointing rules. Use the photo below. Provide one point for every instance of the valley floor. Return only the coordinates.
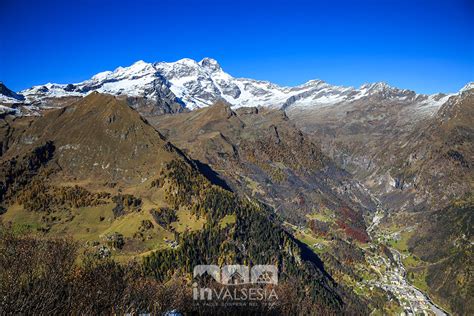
(393, 278)
(381, 269)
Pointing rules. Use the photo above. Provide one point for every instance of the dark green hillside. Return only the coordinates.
(256, 237)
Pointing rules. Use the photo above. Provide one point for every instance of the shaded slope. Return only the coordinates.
(261, 154)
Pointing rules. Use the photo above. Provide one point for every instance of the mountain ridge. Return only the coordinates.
(188, 84)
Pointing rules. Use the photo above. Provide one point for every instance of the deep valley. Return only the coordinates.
(362, 197)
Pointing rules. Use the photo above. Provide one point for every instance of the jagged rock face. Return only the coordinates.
(401, 150)
(352, 132)
(433, 164)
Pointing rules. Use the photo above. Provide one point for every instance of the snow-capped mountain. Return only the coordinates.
(188, 84)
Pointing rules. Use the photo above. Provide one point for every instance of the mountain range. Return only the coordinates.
(181, 164)
(188, 84)
(350, 124)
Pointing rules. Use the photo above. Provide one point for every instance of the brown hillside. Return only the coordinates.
(98, 137)
(260, 153)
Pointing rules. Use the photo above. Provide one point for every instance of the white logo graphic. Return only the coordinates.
(236, 274)
(254, 281)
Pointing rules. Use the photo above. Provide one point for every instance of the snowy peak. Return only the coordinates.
(383, 91)
(383, 88)
(139, 68)
(314, 83)
(376, 87)
(210, 64)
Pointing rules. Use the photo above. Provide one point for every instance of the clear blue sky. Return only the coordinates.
(427, 46)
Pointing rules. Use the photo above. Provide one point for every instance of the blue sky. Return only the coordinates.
(427, 46)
